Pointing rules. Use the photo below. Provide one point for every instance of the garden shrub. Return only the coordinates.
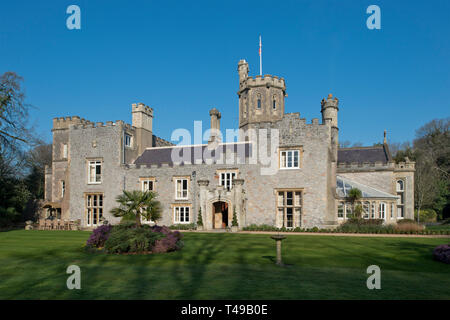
(364, 226)
(126, 237)
(426, 215)
(411, 227)
(442, 253)
(8, 216)
(183, 226)
(123, 239)
(99, 236)
(405, 221)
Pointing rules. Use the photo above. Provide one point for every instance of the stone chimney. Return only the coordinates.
(215, 125)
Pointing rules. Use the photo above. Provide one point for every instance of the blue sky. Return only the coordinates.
(180, 57)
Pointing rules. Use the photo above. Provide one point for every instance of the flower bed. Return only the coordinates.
(369, 228)
(126, 238)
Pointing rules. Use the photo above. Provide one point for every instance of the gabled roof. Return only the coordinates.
(343, 185)
(198, 153)
(364, 154)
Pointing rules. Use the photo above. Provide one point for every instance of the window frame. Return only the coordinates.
(295, 206)
(94, 163)
(128, 137)
(382, 208)
(176, 179)
(228, 185)
(283, 164)
(99, 205)
(63, 188)
(184, 207)
(143, 180)
(401, 200)
(65, 152)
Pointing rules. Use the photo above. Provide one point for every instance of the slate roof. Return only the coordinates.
(160, 155)
(364, 154)
(343, 185)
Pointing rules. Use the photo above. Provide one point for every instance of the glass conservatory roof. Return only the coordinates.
(343, 186)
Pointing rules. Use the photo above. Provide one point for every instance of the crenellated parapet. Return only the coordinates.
(62, 123)
(140, 107)
(365, 166)
(268, 81)
(405, 166)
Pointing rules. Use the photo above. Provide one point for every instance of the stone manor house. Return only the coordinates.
(92, 163)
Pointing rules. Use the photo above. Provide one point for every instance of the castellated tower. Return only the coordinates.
(142, 120)
(261, 99)
(330, 113)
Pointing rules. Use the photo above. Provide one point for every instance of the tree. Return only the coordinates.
(13, 112)
(35, 161)
(199, 218)
(234, 222)
(432, 156)
(136, 204)
(354, 194)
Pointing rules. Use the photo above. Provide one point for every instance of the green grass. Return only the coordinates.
(223, 266)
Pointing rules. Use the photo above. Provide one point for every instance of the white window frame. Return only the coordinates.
(128, 140)
(65, 151)
(147, 181)
(182, 197)
(382, 210)
(366, 213)
(401, 200)
(95, 164)
(341, 205)
(90, 206)
(63, 188)
(181, 210)
(291, 152)
(226, 179)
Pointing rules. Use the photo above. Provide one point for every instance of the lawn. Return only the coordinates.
(223, 266)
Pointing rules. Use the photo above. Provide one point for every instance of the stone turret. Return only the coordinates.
(330, 114)
(215, 125)
(142, 116)
(261, 99)
(142, 120)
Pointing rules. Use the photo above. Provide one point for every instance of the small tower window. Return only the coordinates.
(258, 103)
(274, 105)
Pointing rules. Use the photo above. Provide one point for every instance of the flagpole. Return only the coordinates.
(260, 56)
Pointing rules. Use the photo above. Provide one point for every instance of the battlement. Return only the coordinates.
(140, 107)
(89, 124)
(265, 81)
(330, 102)
(64, 122)
(405, 166)
(364, 166)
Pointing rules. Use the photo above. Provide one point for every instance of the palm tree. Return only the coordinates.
(354, 194)
(138, 203)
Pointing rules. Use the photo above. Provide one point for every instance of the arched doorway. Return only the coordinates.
(220, 215)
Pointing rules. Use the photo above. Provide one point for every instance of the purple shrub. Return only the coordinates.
(171, 242)
(442, 253)
(99, 236)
